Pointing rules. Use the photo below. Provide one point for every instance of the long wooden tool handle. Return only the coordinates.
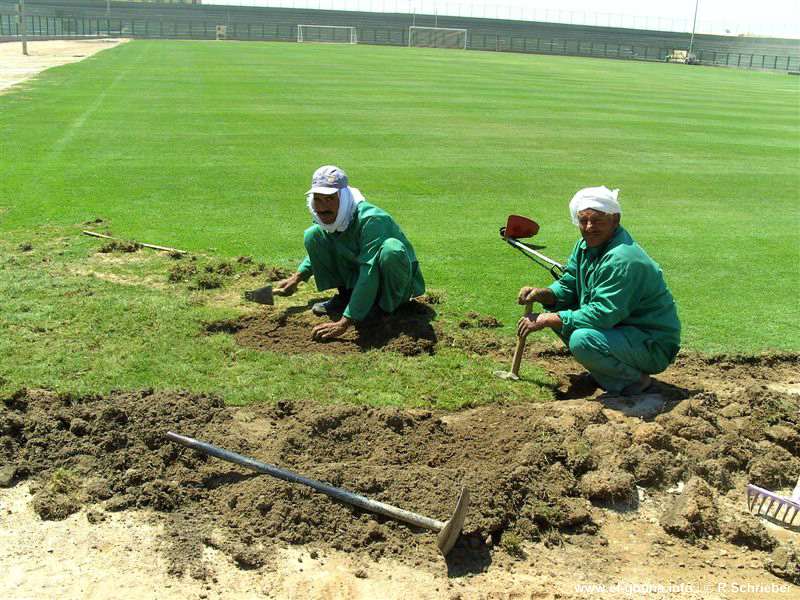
(153, 246)
(374, 506)
(520, 349)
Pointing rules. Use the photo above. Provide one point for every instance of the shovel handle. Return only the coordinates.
(518, 351)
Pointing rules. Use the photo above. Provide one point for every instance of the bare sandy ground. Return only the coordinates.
(16, 67)
(75, 558)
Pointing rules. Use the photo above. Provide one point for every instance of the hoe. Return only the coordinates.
(448, 531)
(521, 227)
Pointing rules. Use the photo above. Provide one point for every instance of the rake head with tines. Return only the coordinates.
(757, 497)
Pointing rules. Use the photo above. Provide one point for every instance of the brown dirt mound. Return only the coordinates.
(409, 332)
(532, 469)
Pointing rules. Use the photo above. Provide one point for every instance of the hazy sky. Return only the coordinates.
(766, 17)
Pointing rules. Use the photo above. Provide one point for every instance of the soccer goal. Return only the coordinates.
(437, 37)
(327, 34)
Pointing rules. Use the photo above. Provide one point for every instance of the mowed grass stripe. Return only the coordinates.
(205, 145)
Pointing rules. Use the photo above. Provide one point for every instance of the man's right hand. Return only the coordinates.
(527, 294)
(288, 286)
(531, 294)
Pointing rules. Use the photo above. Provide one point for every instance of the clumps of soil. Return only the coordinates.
(477, 320)
(89, 449)
(785, 563)
(59, 496)
(608, 485)
(207, 281)
(8, 476)
(409, 331)
(431, 297)
(111, 450)
(223, 269)
(535, 472)
(693, 513)
(182, 272)
(209, 275)
(122, 246)
(275, 273)
(746, 530)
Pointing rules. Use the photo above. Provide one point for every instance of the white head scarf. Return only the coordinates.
(599, 198)
(349, 197)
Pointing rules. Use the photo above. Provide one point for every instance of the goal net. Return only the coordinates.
(329, 34)
(437, 37)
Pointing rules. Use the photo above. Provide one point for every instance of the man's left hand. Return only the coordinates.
(329, 331)
(537, 322)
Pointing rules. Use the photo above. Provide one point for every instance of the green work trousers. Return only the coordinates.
(616, 357)
(389, 280)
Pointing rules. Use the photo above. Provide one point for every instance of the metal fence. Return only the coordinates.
(44, 26)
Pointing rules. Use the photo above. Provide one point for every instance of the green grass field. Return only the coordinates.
(210, 146)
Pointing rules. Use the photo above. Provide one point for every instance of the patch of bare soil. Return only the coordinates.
(541, 475)
(409, 331)
(16, 67)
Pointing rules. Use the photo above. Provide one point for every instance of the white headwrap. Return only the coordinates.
(599, 198)
(349, 197)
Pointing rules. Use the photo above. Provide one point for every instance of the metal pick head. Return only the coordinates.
(520, 227)
(261, 295)
(506, 375)
(452, 529)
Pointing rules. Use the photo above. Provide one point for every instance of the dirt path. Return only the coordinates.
(16, 68)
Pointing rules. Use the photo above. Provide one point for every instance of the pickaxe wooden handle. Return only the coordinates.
(520, 349)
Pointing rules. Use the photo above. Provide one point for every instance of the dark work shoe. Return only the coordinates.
(638, 387)
(335, 306)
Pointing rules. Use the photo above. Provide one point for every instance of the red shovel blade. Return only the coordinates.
(520, 227)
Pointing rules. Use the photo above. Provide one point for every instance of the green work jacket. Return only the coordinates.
(356, 252)
(617, 285)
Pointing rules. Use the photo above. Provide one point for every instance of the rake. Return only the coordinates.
(790, 505)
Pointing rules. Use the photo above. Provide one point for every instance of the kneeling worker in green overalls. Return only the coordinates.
(356, 248)
(612, 307)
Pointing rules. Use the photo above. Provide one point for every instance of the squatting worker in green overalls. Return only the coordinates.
(611, 307)
(357, 248)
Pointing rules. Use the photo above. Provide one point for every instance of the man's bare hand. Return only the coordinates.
(288, 286)
(522, 297)
(332, 330)
(537, 322)
(530, 294)
(527, 324)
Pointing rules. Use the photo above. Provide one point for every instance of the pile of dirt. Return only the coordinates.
(204, 274)
(409, 331)
(535, 472)
(477, 320)
(120, 246)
